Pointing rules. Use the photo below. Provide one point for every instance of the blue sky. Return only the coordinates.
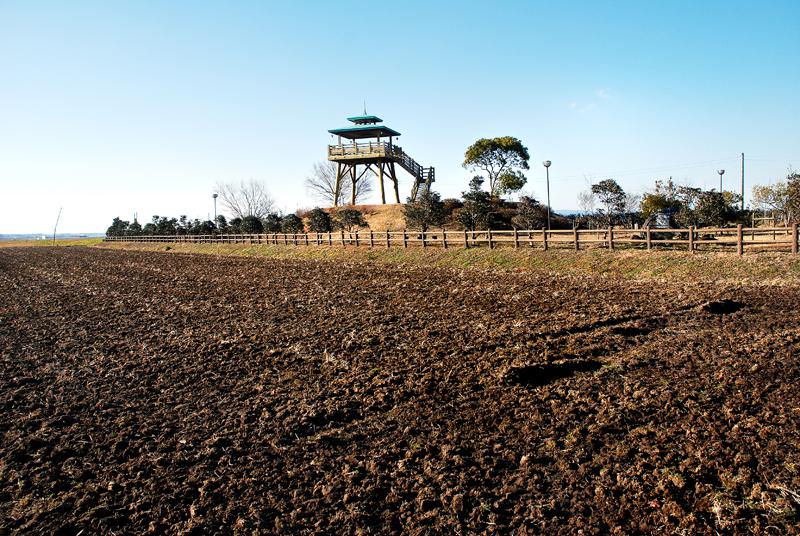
(111, 108)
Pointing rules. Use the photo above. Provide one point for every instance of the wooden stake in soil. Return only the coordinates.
(739, 240)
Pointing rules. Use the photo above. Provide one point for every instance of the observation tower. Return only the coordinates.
(368, 145)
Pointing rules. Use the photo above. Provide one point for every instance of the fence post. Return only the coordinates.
(342, 236)
(516, 238)
(739, 240)
(466, 240)
(405, 239)
(423, 240)
(691, 238)
(356, 237)
(544, 238)
(330, 238)
(444, 238)
(306, 234)
(387, 239)
(371, 241)
(489, 234)
(610, 237)
(794, 239)
(647, 235)
(575, 238)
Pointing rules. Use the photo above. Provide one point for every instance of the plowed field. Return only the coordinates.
(177, 393)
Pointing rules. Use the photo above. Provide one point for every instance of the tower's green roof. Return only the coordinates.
(364, 131)
(365, 119)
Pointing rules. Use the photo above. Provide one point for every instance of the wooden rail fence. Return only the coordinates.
(733, 239)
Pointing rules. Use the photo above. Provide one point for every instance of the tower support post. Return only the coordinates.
(394, 180)
(353, 189)
(337, 189)
(380, 177)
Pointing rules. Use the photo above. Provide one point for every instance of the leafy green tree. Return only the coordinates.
(221, 224)
(349, 218)
(149, 229)
(134, 229)
(687, 201)
(319, 221)
(500, 159)
(272, 223)
(663, 199)
(511, 181)
(200, 227)
(291, 223)
(165, 226)
(235, 225)
(530, 214)
(251, 225)
(476, 211)
(611, 196)
(714, 209)
(117, 228)
(426, 212)
(184, 226)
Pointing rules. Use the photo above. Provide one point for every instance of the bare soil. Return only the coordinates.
(150, 392)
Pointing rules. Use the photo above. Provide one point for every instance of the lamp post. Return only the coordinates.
(215, 207)
(721, 173)
(546, 164)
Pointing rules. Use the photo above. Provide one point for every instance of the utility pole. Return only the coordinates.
(742, 181)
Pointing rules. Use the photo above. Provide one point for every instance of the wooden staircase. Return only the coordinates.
(423, 176)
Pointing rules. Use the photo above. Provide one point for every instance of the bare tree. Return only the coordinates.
(586, 201)
(247, 198)
(321, 184)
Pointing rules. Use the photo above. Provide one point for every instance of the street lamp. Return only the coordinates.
(721, 173)
(546, 164)
(215, 207)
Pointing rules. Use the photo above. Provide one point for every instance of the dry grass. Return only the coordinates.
(43, 243)
(382, 217)
(673, 266)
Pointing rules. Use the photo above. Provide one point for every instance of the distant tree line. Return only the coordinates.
(316, 220)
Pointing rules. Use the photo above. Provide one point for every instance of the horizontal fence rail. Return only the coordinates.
(732, 239)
